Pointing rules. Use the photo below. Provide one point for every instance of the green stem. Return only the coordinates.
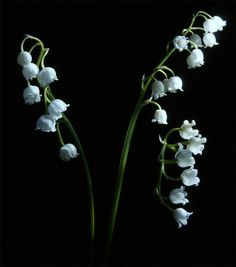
(89, 183)
(124, 156)
(48, 93)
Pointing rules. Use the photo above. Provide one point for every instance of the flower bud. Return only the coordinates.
(31, 95)
(181, 216)
(24, 58)
(68, 152)
(195, 59)
(160, 116)
(56, 107)
(46, 76)
(46, 123)
(30, 71)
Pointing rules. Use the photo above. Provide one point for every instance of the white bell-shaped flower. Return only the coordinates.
(210, 25)
(46, 123)
(180, 43)
(46, 76)
(24, 58)
(219, 23)
(196, 39)
(195, 59)
(157, 89)
(56, 107)
(189, 177)
(186, 131)
(195, 144)
(31, 95)
(209, 39)
(160, 116)
(184, 157)
(175, 83)
(68, 152)
(181, 216)
(177, 196)
(166, 85)
(30, 71)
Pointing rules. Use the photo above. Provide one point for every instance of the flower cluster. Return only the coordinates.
(210, 26)
(31, 94)
(191, 145)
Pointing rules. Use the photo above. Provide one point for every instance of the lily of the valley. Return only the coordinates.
(30, 71)
(24, 58)
(56, 107)
(160, 116)
(196, 39)
(31, 95)
(175, 83)
(186, 131)
(184, 157)
(195, 59)
(177, 196)
(46, 76)
(180, 43)
(157, 89)
(189, 177)
(209, 39)
(46, 123)
(68, 152)
(181, 216)
(195, 144)
(214, 24)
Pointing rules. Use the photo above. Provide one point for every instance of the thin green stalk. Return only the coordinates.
(48, 93)
(89, 183)
(124, 156)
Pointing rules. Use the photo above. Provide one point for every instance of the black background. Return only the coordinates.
(100, 51)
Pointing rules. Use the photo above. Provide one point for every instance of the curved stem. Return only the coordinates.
(49, 96)
(124, 155)
(89, 183)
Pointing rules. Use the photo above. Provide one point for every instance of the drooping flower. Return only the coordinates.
(166, 85)
(46, 76)
(180, 43)
(160, 116)
(68, 152)
(210, 25)
(56, 107)
(24, 58)
(31, 95)
(175, 83)
(195, 59)
(177, 196)
(157, 89)
(195, 144)
(46, 123)
(209, 39)
(219, 22)
(184, 157)
(186, 131)
(181, 216)
(30, 71)
(196, 39)
(189, 177)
